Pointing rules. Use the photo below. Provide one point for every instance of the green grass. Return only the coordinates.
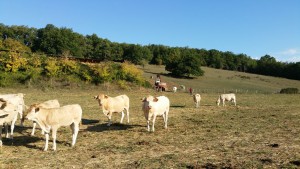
(261, 132)
(218, 81)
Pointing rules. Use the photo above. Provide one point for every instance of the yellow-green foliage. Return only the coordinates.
(14, 45)
(103, 71)
(51, 67)
(68, 66)
(13, 62)
(33, 67)
(131, 73)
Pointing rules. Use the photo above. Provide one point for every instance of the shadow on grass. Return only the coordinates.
(88, 121)
(115, 126)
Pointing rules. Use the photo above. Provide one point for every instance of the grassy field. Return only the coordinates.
(261, 132)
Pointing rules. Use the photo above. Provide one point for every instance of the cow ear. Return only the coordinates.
(96, 97)
(3, 105)
(37, 109)
(143, 99)
(155, 99)
(106, 96)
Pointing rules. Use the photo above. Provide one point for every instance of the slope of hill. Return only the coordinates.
(219, 81)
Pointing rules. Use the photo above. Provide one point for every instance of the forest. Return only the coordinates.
(63, 42)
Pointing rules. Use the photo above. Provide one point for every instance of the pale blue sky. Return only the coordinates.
(252, 27)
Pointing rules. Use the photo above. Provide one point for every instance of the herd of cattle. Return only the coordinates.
(50, 115)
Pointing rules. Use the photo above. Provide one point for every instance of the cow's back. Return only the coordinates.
(65, 115)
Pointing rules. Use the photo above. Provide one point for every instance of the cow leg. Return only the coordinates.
(109, 119)
(127, 112)
(47, 141)
(12, 127)
(166, 119)
(1, 135)
(54, 130)
(153, 122)
(6, 130)
(75, 129)
(33, 128)
(122, 116)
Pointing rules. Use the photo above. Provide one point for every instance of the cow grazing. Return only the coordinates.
(112, 105)
(174, 89)
(8, 114)
(53, 118)
(155, 106)
(16, 99)
(46, 104)
(197, 99)
(226, 97)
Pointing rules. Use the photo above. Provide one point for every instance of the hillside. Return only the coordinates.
(217, 80)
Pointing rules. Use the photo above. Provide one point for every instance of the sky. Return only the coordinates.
(252, 27)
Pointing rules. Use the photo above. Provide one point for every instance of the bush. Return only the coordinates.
(289, 91)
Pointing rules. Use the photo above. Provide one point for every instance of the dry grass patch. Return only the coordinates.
(261, 132)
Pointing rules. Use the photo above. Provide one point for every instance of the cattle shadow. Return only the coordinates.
(89, 121)
(22, 141)
(113, 127)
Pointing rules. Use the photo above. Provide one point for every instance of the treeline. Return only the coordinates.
(180, 61)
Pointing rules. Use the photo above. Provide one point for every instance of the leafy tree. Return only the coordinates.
(185, 64)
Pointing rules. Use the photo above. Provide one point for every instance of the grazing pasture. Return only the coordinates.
(262, 131)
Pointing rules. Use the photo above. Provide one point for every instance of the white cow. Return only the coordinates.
(155, 106)
(8, 114)
(46, 104)
(197, 99)
(226, 97)
(174, 89)
(112, 105)
(16, 99)
(53, 118)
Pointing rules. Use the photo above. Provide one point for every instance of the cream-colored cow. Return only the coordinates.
(46, 104)
(112, 105)
(197, 99)
(8, 115)
(155, 106)
(53, 118)
(226, 97)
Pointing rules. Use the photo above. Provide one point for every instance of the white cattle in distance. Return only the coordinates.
(197, 99)
(47, 104)
(111, 105)
(155, 106)
(226, 97)
(53, 118)
(174, 89)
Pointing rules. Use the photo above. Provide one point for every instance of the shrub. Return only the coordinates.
(289, 91)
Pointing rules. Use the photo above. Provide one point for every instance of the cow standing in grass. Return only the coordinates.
(197, 99)
(46, 104)
(155, 106)
(111, 105)
(53, 118)
(8, 114)
(226, 97)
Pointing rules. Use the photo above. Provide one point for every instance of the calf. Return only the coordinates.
(155, 106)
(53, 118)
(226, 97)
(112, 105)
(46, 104)
(197, 99)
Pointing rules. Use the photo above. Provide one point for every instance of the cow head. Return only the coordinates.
(32, 112)
(100, 98)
